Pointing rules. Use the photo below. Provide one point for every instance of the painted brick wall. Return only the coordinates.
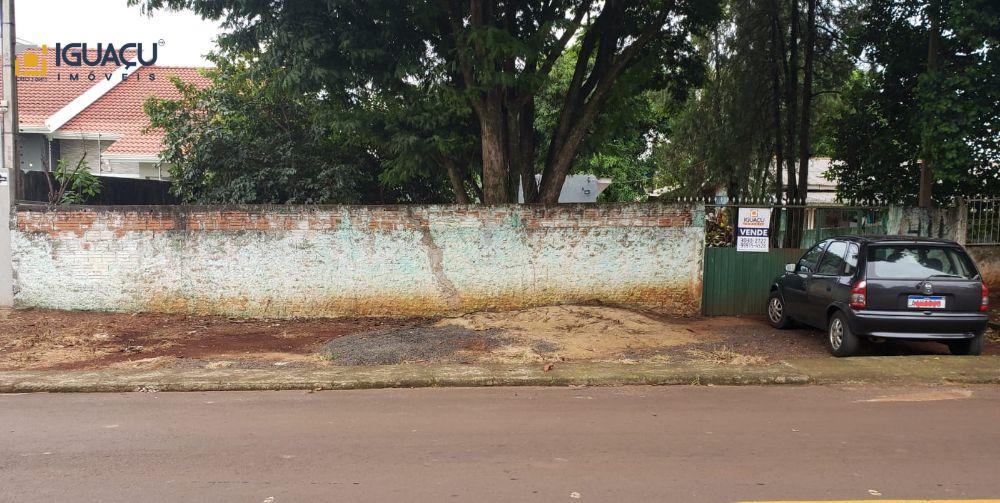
(355, 260)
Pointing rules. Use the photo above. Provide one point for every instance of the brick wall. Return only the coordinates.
(357, 260)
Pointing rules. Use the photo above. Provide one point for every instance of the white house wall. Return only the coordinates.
(73, 150)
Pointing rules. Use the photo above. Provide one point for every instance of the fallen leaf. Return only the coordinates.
(547, 367)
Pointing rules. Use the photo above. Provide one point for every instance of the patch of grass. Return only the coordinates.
(992, 335)
(724, 356)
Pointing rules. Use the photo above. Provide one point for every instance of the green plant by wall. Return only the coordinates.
(72, 185)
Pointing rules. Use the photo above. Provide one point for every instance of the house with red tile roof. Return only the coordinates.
(64, 114)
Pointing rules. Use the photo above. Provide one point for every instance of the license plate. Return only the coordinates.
(924, 302)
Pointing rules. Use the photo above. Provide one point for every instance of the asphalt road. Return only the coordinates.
(683, 444)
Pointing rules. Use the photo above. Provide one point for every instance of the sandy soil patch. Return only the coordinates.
(580, 332)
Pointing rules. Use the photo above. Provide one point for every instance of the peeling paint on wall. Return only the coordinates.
(987, 259)
(287, 261)
(942, 223)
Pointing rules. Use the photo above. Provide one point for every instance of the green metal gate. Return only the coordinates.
(738, 282)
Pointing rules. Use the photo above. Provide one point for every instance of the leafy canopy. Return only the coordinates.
(244, 140)
(435, 71)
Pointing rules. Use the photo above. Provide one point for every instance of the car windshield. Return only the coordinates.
(918, 262)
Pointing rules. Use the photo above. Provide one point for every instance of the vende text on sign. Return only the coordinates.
(743, 231)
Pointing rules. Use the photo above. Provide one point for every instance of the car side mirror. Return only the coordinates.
(789, 267)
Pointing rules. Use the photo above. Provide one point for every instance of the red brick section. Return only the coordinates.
(56, 221)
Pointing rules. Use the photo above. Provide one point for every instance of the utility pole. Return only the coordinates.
(9, 170)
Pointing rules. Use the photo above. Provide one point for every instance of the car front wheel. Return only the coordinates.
(967, 347)
(839, 338)
(777, 316)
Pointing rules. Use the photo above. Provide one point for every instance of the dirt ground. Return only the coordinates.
(46, 339)
(49, 339)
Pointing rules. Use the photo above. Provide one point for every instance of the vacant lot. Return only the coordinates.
(45, 339)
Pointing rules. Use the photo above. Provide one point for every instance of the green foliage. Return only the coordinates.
(619, 147)
(721, 136)
(876, 109)
(391, 100)
(73, 185)
(245, 139)
(441, 88)
(719, 231)
(897, 113)
(871, 145)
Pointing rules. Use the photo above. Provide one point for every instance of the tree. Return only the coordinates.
(924, 109)
(621, 140)
(72, 185)
(244, 140)
(496, 56)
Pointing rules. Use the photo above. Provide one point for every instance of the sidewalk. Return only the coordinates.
(860, 370)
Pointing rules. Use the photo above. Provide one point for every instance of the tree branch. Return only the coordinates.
(557, 50)
(454, 30)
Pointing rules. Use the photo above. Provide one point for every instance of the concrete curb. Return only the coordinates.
(390, 376)
(927, 370)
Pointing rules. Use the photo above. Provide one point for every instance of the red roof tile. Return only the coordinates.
(119, 111)
(40, 97)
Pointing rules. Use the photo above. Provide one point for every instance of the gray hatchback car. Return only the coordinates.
(884, 287)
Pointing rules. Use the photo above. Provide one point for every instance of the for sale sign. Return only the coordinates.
(752, 229)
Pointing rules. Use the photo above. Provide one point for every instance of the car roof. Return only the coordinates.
(878, 239)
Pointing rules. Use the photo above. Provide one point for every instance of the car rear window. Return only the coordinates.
(918, 262)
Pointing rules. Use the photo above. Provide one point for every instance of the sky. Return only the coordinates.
(186, 36)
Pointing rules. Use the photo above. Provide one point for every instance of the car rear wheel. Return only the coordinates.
(967, 347)
(839, 338)
(777, 316)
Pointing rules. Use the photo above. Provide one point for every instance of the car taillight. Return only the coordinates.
(984, 305)
(859, 295)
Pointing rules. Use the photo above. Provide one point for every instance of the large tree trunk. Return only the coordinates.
(457, 181)
(933, 51)
(793, 230)
(779, 150)
(807, 80)
(791, 99)
(777, 51)
(526, 152)
(588, 89)
(493, 137)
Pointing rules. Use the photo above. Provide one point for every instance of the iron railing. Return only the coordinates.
(821, 221)
(983, 222)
